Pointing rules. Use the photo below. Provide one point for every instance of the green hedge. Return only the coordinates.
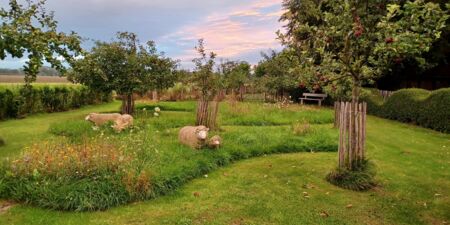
(417, 106)
(19, 101)
(405, 105)
(435, 112)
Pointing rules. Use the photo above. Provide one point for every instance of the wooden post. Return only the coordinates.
(212, 117)
(357, 132)
(202, 112)
(364, 115)
(350, 134)
(337, 110)
(344, 128)
(341, 136)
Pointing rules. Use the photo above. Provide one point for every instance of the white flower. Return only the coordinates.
(95, 128)
(157, 109)
(144, 109)
(156, 114)
(206, 175)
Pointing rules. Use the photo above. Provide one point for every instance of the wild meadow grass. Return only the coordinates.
(159, 163)
(59, 175)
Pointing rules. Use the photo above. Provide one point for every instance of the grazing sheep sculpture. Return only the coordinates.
(193, 136)
(100, 119)
(123, 122)
(215, 142)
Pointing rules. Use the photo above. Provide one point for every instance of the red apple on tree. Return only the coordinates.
(301, 85)
(389, 40)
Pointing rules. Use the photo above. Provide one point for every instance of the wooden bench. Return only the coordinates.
(313, 97)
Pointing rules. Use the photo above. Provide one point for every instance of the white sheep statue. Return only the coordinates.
(193, 136)
(121, 122)
(101, 119)
(215, 142)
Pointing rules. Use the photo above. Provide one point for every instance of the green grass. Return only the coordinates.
(153, 142)
(18, 133)
(251, 114)
(411, 162)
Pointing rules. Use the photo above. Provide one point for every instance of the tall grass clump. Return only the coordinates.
(360, 178)
(81, 177)
(301, 128)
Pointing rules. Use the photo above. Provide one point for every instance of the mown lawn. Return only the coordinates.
(412, 164)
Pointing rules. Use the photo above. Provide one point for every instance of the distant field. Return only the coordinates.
(40, 79)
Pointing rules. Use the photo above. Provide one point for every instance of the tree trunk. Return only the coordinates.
(127, 104)
(241, 93)
(155, 96)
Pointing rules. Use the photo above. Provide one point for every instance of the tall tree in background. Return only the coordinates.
(277, 72)
(207, 81)
(162, 73)
(30, 31)
(236, 75)
(125, 66)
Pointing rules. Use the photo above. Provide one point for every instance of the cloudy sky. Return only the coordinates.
(234, 29)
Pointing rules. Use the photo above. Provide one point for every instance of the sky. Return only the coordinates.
(234, 29)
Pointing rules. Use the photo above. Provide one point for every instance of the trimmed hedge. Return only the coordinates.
(404, 105)
(19, 101)
(421, 107)
(435, 112)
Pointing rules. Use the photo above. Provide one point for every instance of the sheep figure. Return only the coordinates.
(123, 122)
(120, 122)
(193, 136)
(100, 119)
(215, 142)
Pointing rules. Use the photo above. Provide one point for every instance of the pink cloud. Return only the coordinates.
(233, 33)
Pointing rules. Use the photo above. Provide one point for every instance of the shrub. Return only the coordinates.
(421, 107)
(373, 99)
(404, 105)
(435, 112)
(19, 101)
(179, 92)
(89, 176)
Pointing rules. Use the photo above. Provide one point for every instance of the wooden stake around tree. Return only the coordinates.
(352, 129)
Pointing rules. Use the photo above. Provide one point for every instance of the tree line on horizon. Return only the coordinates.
(43, 71)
